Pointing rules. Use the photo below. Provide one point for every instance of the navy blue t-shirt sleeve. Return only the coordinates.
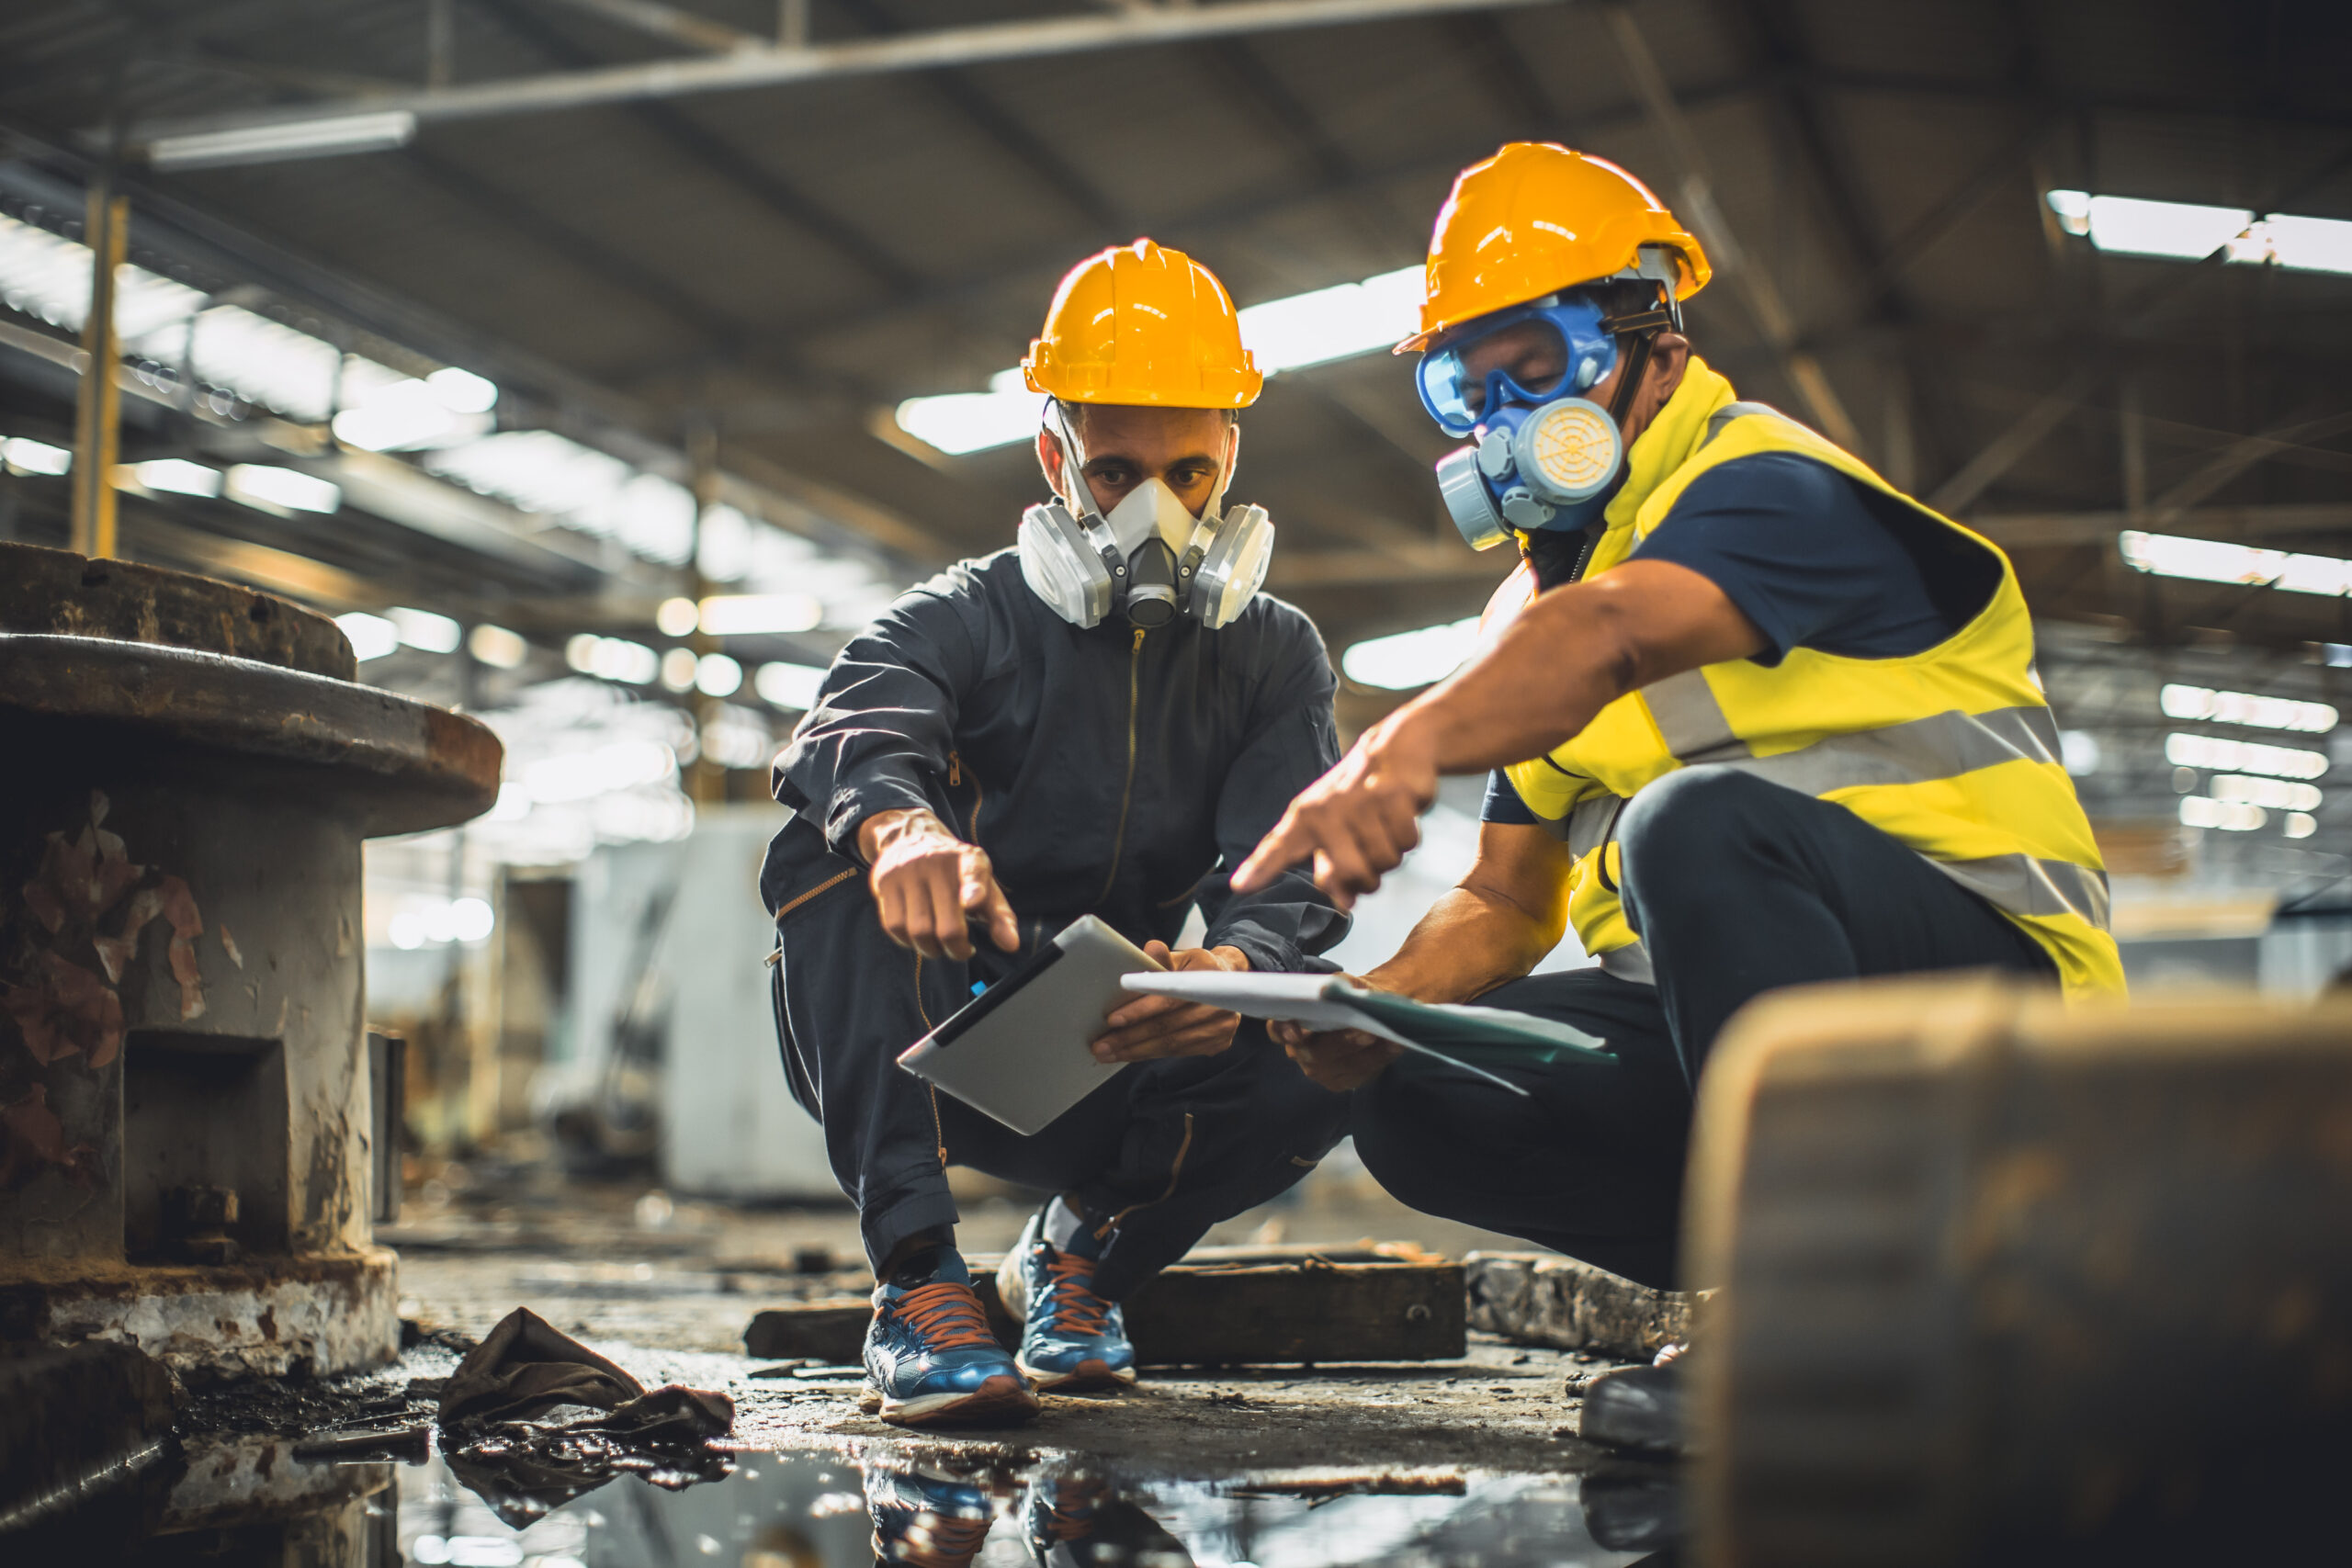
(1503, 803)
(1816, 561)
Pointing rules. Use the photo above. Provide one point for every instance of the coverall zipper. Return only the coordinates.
(938, 1128)
(956, 780)
(1126, 795)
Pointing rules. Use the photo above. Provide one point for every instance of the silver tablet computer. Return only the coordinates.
(1018, 1050)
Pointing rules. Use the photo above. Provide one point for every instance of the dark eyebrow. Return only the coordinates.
(1208, 457)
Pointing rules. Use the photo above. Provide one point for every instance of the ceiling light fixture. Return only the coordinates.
(176, 475)
(755, 614)
(788, 686)
(2212, 560)
(2246, 708)
(2188, 231)
(375, 133)
(2233, 815)
(497, 646)
(1403, 661)
(22, 455)
(423, 629)
(2277, 793)
(371, 636)
(282, 491)
(2183, 750)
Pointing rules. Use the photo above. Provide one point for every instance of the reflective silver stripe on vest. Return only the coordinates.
(1630, 963)
(1940, 746)
(1589, 823)
(1690, 721)
(2024, 885)
(1729, 411)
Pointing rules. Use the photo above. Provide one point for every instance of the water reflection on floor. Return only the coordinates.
(825, 1510)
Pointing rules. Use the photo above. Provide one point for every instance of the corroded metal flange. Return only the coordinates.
(143, 672)
(187, 1125)
(69, 595)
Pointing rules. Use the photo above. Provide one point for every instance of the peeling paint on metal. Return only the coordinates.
(319, 1316)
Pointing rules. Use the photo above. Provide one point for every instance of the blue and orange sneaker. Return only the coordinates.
(930, 1354)
(1070, 1337)
(925, 1520)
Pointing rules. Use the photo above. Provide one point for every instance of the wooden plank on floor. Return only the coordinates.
(1219, 1307)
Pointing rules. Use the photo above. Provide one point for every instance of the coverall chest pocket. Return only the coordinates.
(819, 883)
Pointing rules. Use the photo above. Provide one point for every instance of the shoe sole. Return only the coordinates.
(1000, 1402)
(1087, 1374)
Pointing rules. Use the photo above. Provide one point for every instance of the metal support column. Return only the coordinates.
(440, 42)
(706, 780)
(97, 427)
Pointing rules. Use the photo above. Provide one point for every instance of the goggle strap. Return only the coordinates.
(1638, 321)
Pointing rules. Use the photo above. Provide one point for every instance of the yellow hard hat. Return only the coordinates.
(1143, 325)
(1535, 219)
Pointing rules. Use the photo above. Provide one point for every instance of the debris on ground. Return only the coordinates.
(533, 1419)
(1541, 1298)
(830, 1328)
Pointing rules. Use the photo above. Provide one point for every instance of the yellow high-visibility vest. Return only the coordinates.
(1951, 750)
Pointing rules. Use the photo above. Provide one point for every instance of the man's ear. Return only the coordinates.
(1049, 458)
(1232, 453)
(1669, 359)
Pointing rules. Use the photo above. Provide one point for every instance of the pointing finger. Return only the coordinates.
(1289, 844)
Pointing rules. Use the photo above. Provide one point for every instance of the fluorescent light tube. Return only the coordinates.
(289, 139)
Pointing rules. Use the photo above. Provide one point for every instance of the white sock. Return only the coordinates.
(1062, 1225)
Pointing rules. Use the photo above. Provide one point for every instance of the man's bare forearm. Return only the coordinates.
(1470, 941)
(1566, 657)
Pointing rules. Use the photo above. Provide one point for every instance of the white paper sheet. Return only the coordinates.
(1295, 999)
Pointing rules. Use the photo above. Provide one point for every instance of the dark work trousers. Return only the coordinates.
(1736, 887)
(1166, 1148)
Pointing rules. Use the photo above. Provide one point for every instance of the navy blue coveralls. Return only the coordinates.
(1106, 772)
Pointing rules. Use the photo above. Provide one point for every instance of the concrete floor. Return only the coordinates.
(1466, 1461)
(665, 1287)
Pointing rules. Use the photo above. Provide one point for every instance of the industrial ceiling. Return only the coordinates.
(723, 240)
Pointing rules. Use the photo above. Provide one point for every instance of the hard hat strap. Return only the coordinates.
(1227, 463)
(1644, 322)
(1638, 363)
(1087, 514)
(1058, 423)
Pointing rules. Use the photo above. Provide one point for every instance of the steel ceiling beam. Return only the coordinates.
(2235, 524)
(669, 22)
(775, 65)
(722, 158)
(1765, 309)
(2235, 460)
(2005, 451)
(1033, 152)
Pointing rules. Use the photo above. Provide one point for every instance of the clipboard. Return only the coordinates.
(1451, 1033)
(1018, 1051)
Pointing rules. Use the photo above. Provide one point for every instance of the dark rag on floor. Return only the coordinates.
(522, 1467)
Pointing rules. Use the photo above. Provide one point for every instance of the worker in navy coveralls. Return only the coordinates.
(1100, 721)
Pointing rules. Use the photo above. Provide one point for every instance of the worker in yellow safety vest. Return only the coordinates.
(1755, 718)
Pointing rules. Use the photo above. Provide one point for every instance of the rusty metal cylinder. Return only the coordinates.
(2003, 1278)
(188, 1129)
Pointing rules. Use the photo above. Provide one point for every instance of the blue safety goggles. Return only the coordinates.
(1584, 353)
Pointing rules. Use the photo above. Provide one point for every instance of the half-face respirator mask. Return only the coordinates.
(1148, 558)
(1542, 457)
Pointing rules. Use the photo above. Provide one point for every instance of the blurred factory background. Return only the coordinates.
(604, 364)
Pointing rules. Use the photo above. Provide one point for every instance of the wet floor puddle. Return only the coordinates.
(829, 1510)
